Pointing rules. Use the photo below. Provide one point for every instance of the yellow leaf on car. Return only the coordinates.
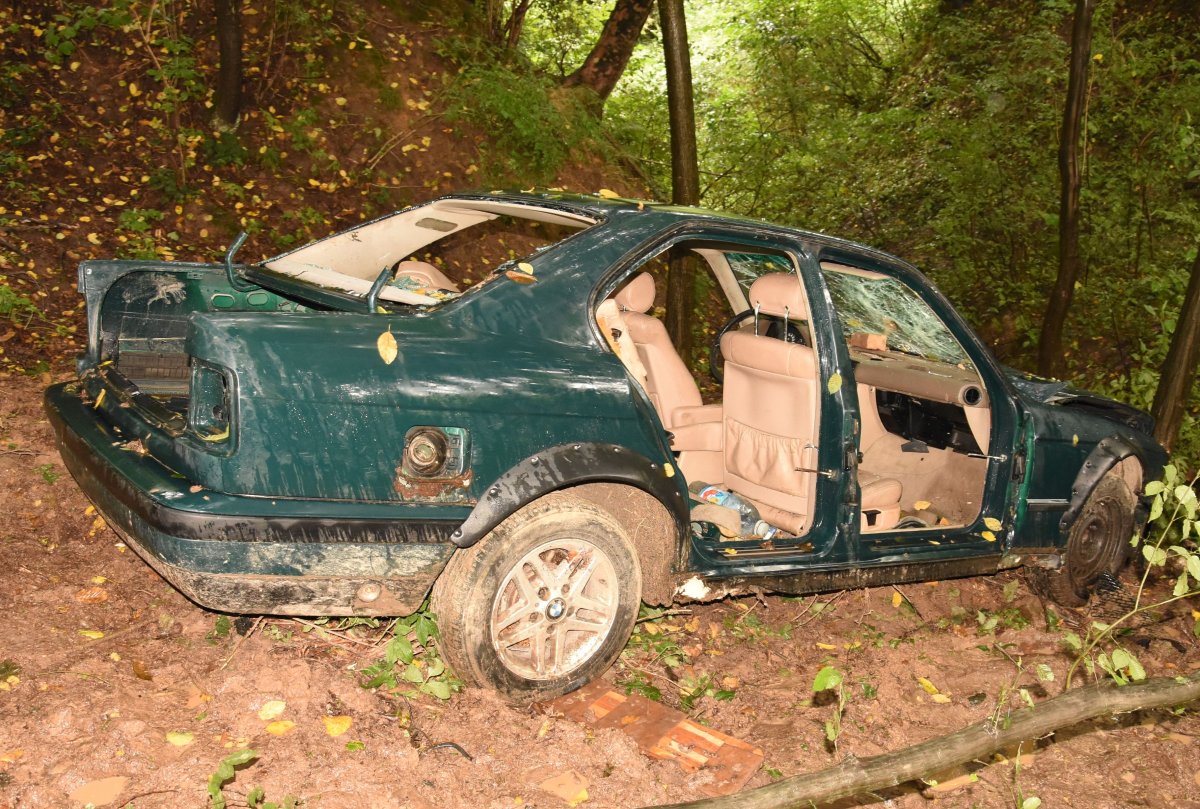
(604, 193)
(336, 725)
(272, 709)
(281, 727)
(929, 687)
(988, 535)
(525, 267)
(921, 505)
(992, 523)
(388, 349)
(180, 738)
(835, 383)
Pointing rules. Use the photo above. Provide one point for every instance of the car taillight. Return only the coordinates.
(210, 401)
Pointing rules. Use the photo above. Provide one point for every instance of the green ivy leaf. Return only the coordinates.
(437, 688)
(827, 678)
(1154, 556)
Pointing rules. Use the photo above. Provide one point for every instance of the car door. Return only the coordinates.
(933, 420)
(820, 537)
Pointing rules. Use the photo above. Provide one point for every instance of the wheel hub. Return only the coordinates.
(554, 609)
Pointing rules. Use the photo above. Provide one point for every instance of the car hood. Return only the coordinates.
(1057, 393)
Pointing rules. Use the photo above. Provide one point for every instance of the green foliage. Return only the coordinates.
(1170, 548)
(225, 772)
(14, 305)
(411, 663)
(830, 679)
(531, 127)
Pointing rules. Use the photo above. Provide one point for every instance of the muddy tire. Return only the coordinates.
(1098, 544)
(543, 604)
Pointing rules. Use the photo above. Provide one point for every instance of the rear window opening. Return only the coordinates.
(435, 252)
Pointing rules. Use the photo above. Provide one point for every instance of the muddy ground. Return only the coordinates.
(142, 714)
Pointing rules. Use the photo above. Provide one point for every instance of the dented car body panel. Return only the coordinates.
(248, 437)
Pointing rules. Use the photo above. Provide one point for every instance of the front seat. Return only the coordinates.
(695, 426)
(771, 418)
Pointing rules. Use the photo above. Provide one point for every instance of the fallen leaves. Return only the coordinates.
(272, 709)
(92, 595)
(94, 634)
(336, 725)
(179, 738)
(281, 727)
(387, 347)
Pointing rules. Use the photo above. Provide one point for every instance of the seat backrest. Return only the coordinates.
(669, 384)
(771, 405)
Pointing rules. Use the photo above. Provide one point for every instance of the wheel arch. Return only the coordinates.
(1116, 455)
(639, 493)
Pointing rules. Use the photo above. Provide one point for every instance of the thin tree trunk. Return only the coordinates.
(979, 741)
(685, 172)
(1179, 368)
(602, 68)
(1050, 347)
(516, 22)
(228, 92)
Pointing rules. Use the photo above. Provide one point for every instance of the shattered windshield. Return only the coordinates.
(878, 305)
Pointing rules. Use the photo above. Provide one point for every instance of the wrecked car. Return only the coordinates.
(344, 429)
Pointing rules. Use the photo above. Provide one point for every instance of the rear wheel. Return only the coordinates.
(543, 604)
(1098, 543)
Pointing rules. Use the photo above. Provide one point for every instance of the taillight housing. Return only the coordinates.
(210, 402)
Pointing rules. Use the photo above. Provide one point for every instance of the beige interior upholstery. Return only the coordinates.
(425, 273)
(696, 427)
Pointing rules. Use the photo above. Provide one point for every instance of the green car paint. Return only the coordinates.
(267, 473)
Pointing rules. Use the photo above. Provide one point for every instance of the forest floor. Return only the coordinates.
(117, 689)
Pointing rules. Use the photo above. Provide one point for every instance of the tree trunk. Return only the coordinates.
(1050, 347)
(1179, 368)
(602, 68)
(975, 742)
(228, 101)
(685, 172)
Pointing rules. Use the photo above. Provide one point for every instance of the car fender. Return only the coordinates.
(567, 465)
(1106, 455)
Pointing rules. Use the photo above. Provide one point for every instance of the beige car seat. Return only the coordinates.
(772, 419)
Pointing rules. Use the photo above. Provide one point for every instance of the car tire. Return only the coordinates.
(543, 604)
(1098, 543)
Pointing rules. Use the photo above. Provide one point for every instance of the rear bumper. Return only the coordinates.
(250, 554)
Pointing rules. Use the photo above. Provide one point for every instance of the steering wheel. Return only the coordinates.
(777, 327)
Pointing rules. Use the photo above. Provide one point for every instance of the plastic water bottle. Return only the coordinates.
(745, 509)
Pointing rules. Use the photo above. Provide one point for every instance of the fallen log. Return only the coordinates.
(853, 776)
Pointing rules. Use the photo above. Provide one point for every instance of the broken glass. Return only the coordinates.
(873, 304)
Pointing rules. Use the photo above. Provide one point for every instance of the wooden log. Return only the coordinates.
(978, 741)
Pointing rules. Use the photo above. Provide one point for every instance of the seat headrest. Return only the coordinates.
(638, 294)
(780, 294)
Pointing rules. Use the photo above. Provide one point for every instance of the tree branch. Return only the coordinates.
(854, 776)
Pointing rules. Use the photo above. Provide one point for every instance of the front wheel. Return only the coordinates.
(1098, 543)
(543, 604)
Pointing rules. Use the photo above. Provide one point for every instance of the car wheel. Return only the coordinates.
(543, 604)
(1098, 544)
